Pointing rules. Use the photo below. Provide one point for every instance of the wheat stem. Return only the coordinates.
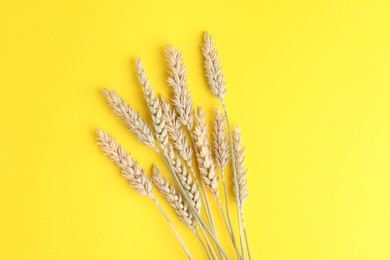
(203, 246)
(173, 229)
(232, 236)
(246, 238)
(228, 226)
(211, 219)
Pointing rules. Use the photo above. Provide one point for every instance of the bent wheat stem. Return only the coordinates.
(203, 246)
(173, 229)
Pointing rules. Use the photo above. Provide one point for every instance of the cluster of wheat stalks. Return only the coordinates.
(180, 136)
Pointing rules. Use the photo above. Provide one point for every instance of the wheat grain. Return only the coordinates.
(205, 160)
(220, 142)
(176, 132)
(181, 98)
(154, 106)
(129, 167)
(174, 198)
(238, 151)
(132, 119)
(212, 65)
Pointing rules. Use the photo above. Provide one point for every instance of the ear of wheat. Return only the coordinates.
(154, 106)
(176, 132)
(129, 167)
(180, 137)
(205, 160)
(213, 68)
(174, 198)
(239, 164)
(131, 118)
(134, 174)
(185, 179)
(181, 98)
(220, 142)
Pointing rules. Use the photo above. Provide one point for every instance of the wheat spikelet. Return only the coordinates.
(212, 65)
(176, 132)
(220, 142)
(129, 167)
(205, 160)
(174, 198)
(238, 151)
(177, 81)
(154, 106)
(132, 119)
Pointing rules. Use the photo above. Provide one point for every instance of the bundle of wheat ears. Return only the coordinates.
(180, 136)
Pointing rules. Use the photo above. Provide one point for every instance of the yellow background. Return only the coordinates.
(308, 82)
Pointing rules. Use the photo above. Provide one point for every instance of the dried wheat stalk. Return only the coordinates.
(181, 98)
(154, 106)
(132, 119)
(174, 198)
(130, 168)
(216, 81)
(205, 160)
(134, 174)
(176, 133)
(238, 151)
(220, 142)
(213, 68)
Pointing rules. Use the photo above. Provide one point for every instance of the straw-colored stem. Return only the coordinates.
(246, 238)
(226, 221)
(203, 246)
(195, 212)
(173, 229)
(210, 215)
(231, 233)
(211, 249)
(235, 178)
